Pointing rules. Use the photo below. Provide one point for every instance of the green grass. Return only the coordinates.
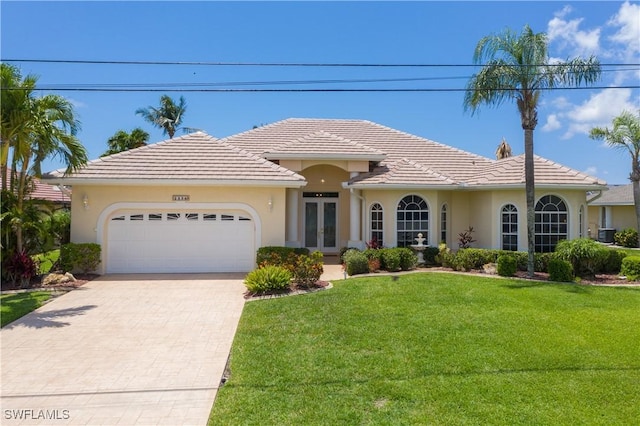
(47, 260)
(14, 306)
(437, 349)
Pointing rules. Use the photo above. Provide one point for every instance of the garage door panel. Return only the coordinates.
(181, 242)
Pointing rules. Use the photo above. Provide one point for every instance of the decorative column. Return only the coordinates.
(292, 218)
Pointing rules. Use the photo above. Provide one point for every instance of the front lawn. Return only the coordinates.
(14, 306)
(437, 349)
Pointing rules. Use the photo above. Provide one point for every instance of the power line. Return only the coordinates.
(266, 64)
(324, 90)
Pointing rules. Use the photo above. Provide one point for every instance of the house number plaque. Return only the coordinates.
(180, 198)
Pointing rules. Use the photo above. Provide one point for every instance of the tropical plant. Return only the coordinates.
(124, 141)
(168, 116)
(33, 129)
(625, 135)
(517, 67)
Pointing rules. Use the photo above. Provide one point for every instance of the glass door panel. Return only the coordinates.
(321, 225)
(311, 224)
(329, 225)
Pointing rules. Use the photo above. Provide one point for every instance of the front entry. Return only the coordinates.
(321, 224)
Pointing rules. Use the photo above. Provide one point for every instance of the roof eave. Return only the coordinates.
(504, 186)
(346, 157)
(346, 185)
(178, 182)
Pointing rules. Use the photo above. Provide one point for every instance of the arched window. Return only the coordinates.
(376, 225)
(509, 226)
(412, 218)
(551, 223)
(443, 224)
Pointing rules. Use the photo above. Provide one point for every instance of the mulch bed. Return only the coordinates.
(319, 285)
(36, 283)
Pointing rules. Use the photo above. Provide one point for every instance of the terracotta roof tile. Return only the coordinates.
(325, 145)
(403, 172)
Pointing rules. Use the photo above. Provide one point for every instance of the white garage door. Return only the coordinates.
(180, 241)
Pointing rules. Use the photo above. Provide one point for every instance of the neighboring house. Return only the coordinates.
(60, 198)
(613, 210)
(200, 204)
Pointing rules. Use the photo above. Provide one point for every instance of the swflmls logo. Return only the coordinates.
(28, 414)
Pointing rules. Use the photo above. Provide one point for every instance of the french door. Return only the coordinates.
(321, 224)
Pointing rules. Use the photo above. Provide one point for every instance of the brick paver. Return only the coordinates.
(122, 349)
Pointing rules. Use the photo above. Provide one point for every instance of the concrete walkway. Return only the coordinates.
(122, 349)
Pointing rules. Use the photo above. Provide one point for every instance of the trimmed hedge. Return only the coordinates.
(631, 267)
(586, 256)
(278, 255)
(355, 262)
(507, 265)
(626, 238)
(560, 270)
(80, 256)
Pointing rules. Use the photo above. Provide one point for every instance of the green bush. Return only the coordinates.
(507, 265)
(343, 250)
(613, 261)
(278, 255)
(430, 255)
(307, 269)
(391, 260)
(80, 256)
(626, 238)
(373, 254)
(474, 258)
(445, 256)
(408, 259)
(560, 270)
(631, 267)
(355, 262)
(268, 278)
(586, 256)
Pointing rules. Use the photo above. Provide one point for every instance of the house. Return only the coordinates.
(610, 211)
(197, 203)
(59, 197)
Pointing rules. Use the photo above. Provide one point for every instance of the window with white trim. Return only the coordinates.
(443, 224)
(376, 216)
(509, 227)
(581, 222)
(412, 218)
(550, 223)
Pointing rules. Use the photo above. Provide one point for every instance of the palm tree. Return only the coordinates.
(517, 67)
(625, 135)
(167, 117)
(34, 129)
(503, 151)
(123, 141)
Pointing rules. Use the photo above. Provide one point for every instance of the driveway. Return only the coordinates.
(122, 349)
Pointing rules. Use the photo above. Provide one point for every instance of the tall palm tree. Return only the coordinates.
(625, 135)
(124, 141)
(34, 129)
(167, 117)
(517, 67)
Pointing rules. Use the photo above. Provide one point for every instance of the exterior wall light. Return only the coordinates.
(270, 204)
(85, 201)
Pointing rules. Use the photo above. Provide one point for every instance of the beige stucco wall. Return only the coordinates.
(622, 217)
(85, 223)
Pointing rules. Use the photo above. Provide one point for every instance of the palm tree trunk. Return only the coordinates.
(529, 185)
(635, 181)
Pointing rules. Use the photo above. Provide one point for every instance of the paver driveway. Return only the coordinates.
(122, 349)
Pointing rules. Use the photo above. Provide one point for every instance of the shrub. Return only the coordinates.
(507, 265)
(80, 256)
(560, 270)
(278, 255)
(430, 255)
(613, 261)
(268, 278)
(626, 238)
(472, 258)
(343, 250)
(631, 267)
(20, 268)
(355, 262)
(445, 256)
(408, 259)
(307, 269)
(391, 260)
(586, 256)
(465, 238)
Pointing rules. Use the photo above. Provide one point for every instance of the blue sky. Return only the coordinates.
(329, 32)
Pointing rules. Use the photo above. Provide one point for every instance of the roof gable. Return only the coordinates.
(402, 173)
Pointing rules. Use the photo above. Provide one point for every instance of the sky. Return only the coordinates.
(424, 33)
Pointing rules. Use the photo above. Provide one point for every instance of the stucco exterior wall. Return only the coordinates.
(622, 217)
(85, 222)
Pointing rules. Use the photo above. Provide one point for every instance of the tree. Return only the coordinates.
(503, 151)
(167, 117)
(517, 67)
(123, 141)
(625, 135)
(33, 129)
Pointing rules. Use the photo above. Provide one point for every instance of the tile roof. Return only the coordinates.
(196, 157)
(510, 171)
(324, 145)
(402, 173)
(44, 191)
(615, 195)
(443, 159)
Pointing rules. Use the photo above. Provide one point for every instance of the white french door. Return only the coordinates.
(321, 224)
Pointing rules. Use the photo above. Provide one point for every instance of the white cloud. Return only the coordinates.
(552, 123)
(598, 110)
(627, 21)
(591, 170)
(570, 37)
(76, 103)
